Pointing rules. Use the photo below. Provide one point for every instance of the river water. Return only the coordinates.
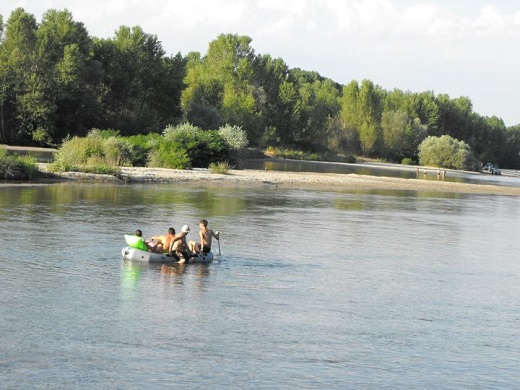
(313, 289)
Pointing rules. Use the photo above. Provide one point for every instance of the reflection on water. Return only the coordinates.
(42, 156)
(314, 289)
(405, 172)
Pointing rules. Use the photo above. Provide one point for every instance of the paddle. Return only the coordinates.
(218, 233)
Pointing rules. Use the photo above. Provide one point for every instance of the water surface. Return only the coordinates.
(314, 289)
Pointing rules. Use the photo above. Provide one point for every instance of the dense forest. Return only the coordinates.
(57, 81)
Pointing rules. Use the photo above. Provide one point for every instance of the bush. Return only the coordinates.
(350, 159)
(98, 148)
(446, 152)
(221, 167)
(141, 146)
(17, 167)
(187, 146)
(407, 161)
(234, 136)
(169, 155)
(292, 154)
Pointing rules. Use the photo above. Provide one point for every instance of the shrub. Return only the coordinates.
(292, 154)
(187, 146)
(221, 167)
(407, 161)
(169, 155)
(98, 148)
(184, 129)
(350, 159)
(446, 152)
(234, 136)
(141, 146)
(17, 167)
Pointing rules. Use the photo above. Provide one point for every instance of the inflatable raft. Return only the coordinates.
(135, 254)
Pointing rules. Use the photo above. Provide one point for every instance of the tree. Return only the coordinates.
(142, 87)
(70, 77)
(223, 80)
(401, 135)
(275, 97)
(510, 156)
(370, 110)
(19, 83)
(348, 120)
(316, 104)
(446, 152)
(456, 117)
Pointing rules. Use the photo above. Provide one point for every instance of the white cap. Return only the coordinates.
(185, 229)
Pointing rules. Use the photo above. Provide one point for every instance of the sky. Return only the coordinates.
(456, 47)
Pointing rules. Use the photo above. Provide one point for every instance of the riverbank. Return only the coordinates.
(283, 179)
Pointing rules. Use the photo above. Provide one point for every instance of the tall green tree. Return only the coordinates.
(370, 111)
(510, 156)
(401, 135)
(22, 107)
(456, 117)
(319, 104)
(349, 119)
(136, 76)
(70, 77)
(225, 72)
(490, 138)
(275, 98)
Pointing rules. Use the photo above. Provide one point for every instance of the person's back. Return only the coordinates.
(164, 241)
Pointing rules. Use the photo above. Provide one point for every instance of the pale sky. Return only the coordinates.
(456, 47)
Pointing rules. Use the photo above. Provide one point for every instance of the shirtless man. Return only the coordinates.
(164, 241)
(206, 236)
(179, 246)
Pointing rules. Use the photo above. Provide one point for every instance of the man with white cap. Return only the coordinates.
(179, 245)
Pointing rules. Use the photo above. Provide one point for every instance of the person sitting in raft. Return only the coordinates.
(163, 241)
(179, 246)
(206, 236)
(137, 241)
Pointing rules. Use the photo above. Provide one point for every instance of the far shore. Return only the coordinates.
(283, 179)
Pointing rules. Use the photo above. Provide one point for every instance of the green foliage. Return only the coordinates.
(16, 167)
(141, 146)
(169, 154)
(234, 136)
(56, 82)
(141, 88)
(350, 159)
(187, 146)
(97, 149)
(292, 154)
(401, 135)
(407, 161)
(446, 152)
(100, 169)
(219, 168)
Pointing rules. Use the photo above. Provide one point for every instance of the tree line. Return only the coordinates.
(57, 81)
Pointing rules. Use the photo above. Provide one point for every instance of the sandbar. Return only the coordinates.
(284, 179)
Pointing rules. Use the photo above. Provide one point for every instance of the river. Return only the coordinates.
(313, 289)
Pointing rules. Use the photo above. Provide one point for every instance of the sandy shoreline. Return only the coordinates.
(283, 179)
(290, 180)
